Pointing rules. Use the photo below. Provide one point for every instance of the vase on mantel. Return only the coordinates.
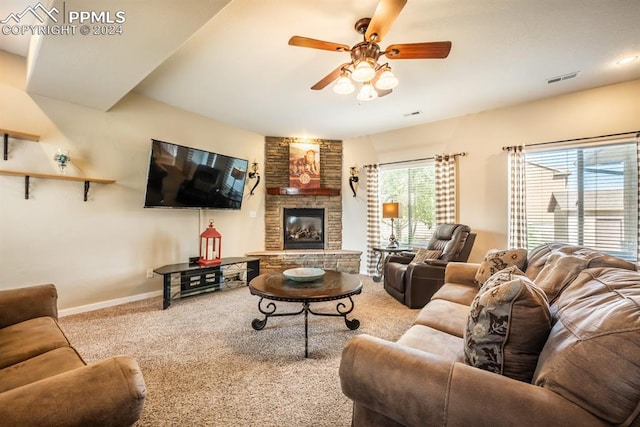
(63, 158)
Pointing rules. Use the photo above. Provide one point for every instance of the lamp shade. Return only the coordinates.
(343, 86)
(367, 93)
(363, 71)
(387, 80)
(391, 210)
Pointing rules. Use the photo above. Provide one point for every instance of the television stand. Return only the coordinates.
(196, 279)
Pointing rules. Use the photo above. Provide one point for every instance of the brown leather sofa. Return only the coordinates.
(587, 372)
(413, 284)
(43, 380)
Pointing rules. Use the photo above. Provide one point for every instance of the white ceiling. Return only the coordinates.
(229, 60)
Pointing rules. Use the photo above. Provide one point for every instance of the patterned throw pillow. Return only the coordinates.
(496, 260)
(508, 325)
(424, 254)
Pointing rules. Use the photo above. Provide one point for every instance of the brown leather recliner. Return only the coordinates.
(413, 284)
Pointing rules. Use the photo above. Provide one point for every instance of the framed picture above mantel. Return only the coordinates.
(304, 165)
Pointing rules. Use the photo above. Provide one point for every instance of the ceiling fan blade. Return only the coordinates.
(329, 77)
(418, 50)
(318, 44)
(386, 13)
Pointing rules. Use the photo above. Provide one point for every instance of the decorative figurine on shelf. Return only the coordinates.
(63, 158)
(210, 246)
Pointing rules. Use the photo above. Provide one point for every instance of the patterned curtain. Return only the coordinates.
(638, 164)
(445, 171)
(373, 218)
(517, 234)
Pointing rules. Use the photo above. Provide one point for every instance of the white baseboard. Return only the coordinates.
(105, 304)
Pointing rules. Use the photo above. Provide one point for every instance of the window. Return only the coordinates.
(413, 186)
(584, 196)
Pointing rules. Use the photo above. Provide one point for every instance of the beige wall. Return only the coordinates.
(100, 250)
(483, 172)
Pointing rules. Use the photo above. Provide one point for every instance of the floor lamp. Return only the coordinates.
(391, 210)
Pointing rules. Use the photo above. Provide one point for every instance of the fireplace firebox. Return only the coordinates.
(303, 228)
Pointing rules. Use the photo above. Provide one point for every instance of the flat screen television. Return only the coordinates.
(183, 177)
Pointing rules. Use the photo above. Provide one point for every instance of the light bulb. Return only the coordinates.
(363, 72)
(343, 86)
(387, 80)
(367, 93)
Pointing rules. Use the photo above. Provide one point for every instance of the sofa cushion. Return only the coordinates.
(456, 292)
(496, 260)
(30, 338)
(592, 354)
(538, 256)
(424, 254)
(445, 316)
(433, 341)
(46, 365)
(508, 324)
(564, 264)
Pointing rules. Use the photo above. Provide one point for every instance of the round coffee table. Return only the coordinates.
(333, 285)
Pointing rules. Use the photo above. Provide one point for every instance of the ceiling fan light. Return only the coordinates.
(367, 93)
(363, 72)
(343, 86)
(387, 81)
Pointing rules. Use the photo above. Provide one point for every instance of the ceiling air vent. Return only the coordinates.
(413, 113)
(563, 77)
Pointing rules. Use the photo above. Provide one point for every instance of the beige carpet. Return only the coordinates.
(204, 364)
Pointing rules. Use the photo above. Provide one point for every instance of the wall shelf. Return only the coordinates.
(294, 191)
(16, 135)
(27, 175)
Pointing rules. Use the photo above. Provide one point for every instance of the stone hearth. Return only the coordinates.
(341, 260)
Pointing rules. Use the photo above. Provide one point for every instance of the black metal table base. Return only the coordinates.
(270, 311)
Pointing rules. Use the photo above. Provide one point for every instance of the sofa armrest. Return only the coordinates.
(107, 393)
(20, 304)
(416, 388)
(461, 272)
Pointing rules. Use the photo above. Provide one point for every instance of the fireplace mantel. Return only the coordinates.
(293, 191)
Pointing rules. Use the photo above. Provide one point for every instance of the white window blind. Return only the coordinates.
(584, 195)
(413, 186)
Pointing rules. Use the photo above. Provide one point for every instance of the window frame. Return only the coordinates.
(628, 235)
(408, 205)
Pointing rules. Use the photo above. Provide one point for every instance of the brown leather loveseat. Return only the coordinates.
(413, 283)
(585, 369)
(43, 380)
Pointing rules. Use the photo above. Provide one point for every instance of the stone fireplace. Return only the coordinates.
(279, 252)
(303, 228)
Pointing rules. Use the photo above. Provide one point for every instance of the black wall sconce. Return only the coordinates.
(353, 179)
(253, 175)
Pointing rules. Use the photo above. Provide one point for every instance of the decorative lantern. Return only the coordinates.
(210, 246)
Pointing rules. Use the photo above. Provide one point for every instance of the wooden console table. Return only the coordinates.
(196, 278)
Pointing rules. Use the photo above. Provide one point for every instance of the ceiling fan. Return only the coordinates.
(377, 80)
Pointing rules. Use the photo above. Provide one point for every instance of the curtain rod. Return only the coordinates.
(537, 144)
(461, 154)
